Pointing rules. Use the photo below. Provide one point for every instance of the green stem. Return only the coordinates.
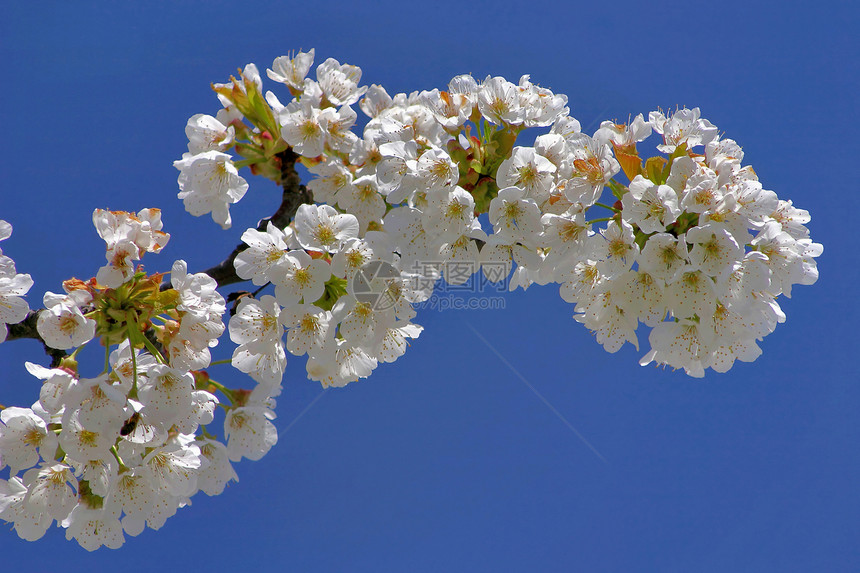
(115, 453)
(78, 349)
(247, 162)
(613, 209)
(219, 362)
(224, 390)
(133, 393)
(153, 350)
(600, 220)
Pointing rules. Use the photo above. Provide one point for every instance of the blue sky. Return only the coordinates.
(560, 457)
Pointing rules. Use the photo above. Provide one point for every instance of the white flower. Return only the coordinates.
(92, 528)
(449, 214)
(684, 126)
(460, 258)
(616, 248)
(128, 237)
(100, 473)
(677, 344)
(61, 324)
(792, 219)
(499, 101)
(255, 327)
(13, 308)
(267, 252)
(197, 294)
(362, 200)
(339, 82)
(435, 171)
(624, 135)
(300, 127)
(741, 287)
(451, 110)
(337, 125)
(392, 344)
(51, 495)
(308, 328)
(541, 105)
(715, 250)
(83, 444)
(692, 294)
(255, 320)
(304, 278)
(210, 183)
(593, 167)
(580, 282)
(218, 472)
(702, 192)
(664, 256)
(375, 101)
(527, 170)
(22, 433)
(789, 260)
(54, 386)
(166, 394)
(394, 171)
(357, 252)
(640, 296)
(134, 495)
(513, 215)
(409, 239)
(650, 207)
(249, 432)
(463, 84)
(98, 405)
(322, 228)
(611, 325)
(292, 70)
(172, 469)
(564, 234)
(205, 133)
(332, 177)
(732, 340)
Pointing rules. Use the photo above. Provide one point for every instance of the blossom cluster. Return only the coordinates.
(113, 454)
(693, 246)
(430, 187)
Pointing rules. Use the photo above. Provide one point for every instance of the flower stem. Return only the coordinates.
(613, 209)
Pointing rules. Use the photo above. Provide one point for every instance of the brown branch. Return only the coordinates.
(27, 329)
(295, 194)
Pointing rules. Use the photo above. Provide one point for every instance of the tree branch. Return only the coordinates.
(295, 194)
(27, 329)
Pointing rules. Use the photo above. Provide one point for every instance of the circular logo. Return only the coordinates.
(375, 284)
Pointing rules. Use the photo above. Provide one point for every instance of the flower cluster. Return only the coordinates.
(312, 268)
(113, 454)
(693, 246)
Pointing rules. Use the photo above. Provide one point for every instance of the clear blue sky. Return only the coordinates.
(446, 460)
